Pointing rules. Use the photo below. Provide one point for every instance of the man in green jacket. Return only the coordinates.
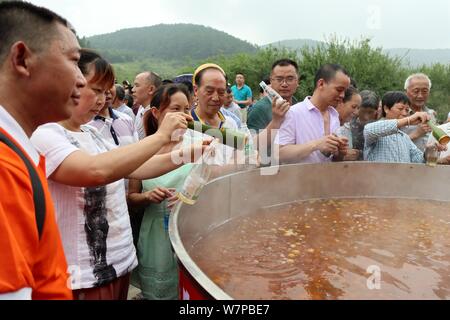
(284, 80)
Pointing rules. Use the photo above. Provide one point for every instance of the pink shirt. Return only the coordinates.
(304, 123)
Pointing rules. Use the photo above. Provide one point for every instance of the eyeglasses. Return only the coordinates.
(288, 80)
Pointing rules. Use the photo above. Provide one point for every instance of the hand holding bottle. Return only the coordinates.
(158, 195)
(416, 119)
(271, 93)
(441, 147)
(195, 151)
(422, 129)
(229, 137)
(171, 123)
(172, 201)
(279, 109)
(343, 147)
(328, 145)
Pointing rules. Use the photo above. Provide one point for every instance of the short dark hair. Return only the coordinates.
(328, 72)
(167, 81)
(120, 92)
(391, 98)
(349, 93)
(130, 100)
(369, 99)
(23, 21)
(285, 63)
(104, 73)
(188, 85)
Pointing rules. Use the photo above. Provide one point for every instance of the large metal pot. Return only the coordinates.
(240, 194)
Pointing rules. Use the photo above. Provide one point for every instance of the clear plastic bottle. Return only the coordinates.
(271, 93)
(250, 153)
(346, 132)
(198, 177)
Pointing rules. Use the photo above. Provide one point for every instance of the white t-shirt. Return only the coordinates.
(94, 222)
(138, 122)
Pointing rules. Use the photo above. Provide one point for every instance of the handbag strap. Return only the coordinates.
(38, 190)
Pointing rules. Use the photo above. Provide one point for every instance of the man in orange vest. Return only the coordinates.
(40, 82)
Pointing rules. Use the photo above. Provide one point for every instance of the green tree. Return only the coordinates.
(371, 68)
(255, 66)
(84, 42)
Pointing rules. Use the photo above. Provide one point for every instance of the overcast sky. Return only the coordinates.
(390, 23)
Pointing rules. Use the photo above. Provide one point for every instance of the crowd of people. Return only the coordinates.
(86, 164)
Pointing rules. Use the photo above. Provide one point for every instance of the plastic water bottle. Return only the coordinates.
(198, 177)
(271, 93)
(249, 149)
(346, 132)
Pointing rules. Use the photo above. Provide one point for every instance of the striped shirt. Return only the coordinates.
(385, 142)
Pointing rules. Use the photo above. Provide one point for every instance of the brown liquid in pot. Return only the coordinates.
(324, 249)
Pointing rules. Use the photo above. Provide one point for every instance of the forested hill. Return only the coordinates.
(170, 42)
(415, 57)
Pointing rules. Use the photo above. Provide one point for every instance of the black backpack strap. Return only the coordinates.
(38, 190)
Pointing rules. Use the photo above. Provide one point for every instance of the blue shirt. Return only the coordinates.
(242, 94)
(230, 114)
(385, 142)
